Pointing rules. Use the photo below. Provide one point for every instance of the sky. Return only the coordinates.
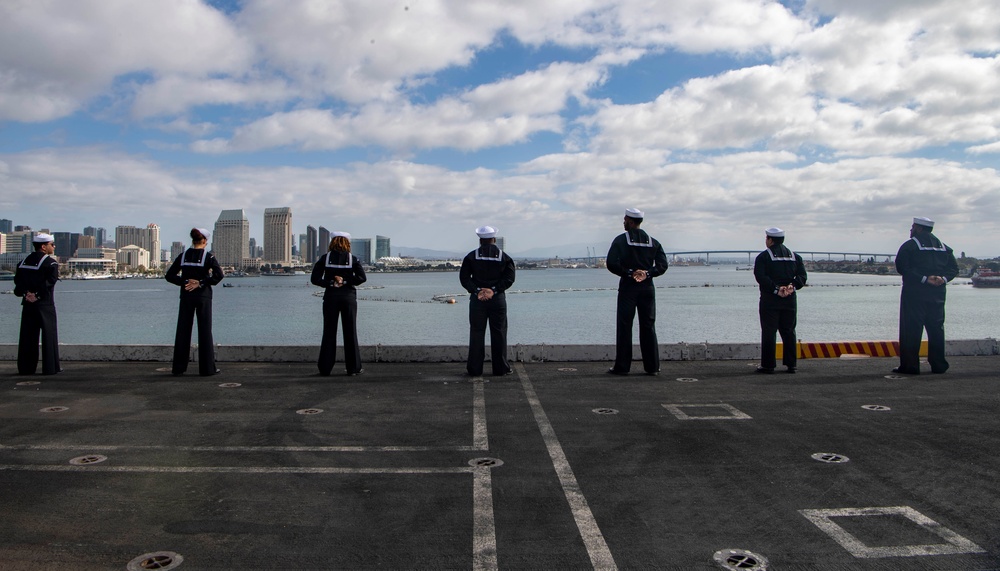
(836, 120)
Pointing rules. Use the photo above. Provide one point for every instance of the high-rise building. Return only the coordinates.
(382, 249)
(19, 241)
(309, 252)
(278, 235)
(147, 238)
(86, 241)
(100, 235)
(6, 226)
(502, 243)
(324, 242)
(66, 244)
(176, 249)
(231, 238)
(362, 249)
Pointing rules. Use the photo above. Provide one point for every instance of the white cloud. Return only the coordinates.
(55, 55)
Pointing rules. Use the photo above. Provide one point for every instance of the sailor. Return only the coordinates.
(779, 272)
(486, 273)
(35, 281)
(339, 273)
(926, 265)
(196, 270)
(637, 258)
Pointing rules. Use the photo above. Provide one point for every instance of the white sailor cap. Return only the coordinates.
(634, 213)
(204, 232)
(486, 232)
(924, 221)
(775, 232)
(340, 234)
(43, 238)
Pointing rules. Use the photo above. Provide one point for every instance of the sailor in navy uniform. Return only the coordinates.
(195, 271)
(779, 272)
(339, 273)
(637, 258)
(926, 265)
(486, 273)
(35, 281)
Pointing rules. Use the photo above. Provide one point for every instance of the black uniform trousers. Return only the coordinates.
(777, 320)
(343, 308)
(915, 314)
(37, 318)
(630, 301)
(190, 306)
(494, 314)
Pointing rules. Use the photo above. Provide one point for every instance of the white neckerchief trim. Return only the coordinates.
(37, 267)
(350, 262)
(499, 257)
(774, 258)
(628, 240)
(929, 248)
(200, 263)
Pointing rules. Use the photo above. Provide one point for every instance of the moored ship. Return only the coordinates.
(985, 277)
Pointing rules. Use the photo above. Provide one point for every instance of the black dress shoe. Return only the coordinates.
(763, 370)
(791, 370)
(355, 373)
(505, 373)
(614, 371)
(653, 373)
(902, 371)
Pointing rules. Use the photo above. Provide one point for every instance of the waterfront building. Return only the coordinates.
(100, 266)
(86, 241)
(176, 249)
(133, 257)
(147, 238)
(97, 253)
(231, 238)
(9, 261)
(3, 243)
(502, 243)
(382, 249)
(324, 241)
(6, 226)
(278, 235)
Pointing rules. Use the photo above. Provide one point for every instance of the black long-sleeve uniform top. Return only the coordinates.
(778, 266)
(38, 274)
(335, 263)
(636, 250)
(487, 267)
(922, 256)
(195, 264)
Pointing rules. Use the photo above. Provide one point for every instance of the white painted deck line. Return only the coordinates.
(484, 537)
(593, 539)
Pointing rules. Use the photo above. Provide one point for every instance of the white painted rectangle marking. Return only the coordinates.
(734, 413)
(954, 543)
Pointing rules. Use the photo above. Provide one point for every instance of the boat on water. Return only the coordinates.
(985, 277)
(744, 268)
(6, 276)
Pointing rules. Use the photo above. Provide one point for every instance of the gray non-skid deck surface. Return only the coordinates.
(416, 466)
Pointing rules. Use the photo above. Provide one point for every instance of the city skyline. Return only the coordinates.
(836, 120)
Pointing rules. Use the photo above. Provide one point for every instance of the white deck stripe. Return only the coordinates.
(113, 447)
(480, 437)
(593, 540)
(484, 537)
(232, 469)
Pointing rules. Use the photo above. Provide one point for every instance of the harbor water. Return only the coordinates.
(717, 304)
